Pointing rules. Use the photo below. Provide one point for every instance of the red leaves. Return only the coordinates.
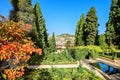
(14, 44)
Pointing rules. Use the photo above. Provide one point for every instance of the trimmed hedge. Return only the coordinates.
(83, 52)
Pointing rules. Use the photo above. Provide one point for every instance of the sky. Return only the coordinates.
(61, 16)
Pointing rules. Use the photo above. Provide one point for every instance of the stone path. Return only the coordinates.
(54, 66)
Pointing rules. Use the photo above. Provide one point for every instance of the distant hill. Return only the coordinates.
(66, 35)
(63, 38)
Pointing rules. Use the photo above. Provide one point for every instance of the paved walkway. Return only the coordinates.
(54, 66)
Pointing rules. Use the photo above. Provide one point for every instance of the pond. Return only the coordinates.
(108, 69)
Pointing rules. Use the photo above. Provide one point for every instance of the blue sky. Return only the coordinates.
(61, 16)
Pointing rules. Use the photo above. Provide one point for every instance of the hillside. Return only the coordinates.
(63, 38)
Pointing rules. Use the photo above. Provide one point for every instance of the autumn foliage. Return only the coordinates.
(16, 47)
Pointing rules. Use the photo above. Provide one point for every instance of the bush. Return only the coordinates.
(63, 57)
(60, 74)
(83, 52)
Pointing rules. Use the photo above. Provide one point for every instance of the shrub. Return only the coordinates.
(60, 74)
(82, 52)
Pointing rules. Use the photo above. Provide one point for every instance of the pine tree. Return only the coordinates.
(113, 24)
(22, 11)
(42, 40)
(91, 27)
(52, 43)
(79, 40)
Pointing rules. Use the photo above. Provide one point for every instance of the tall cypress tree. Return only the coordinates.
(102, 42)
(91, 27)
(113, 24)
(22, 10)
(52, 43)
(79, 34)
(42, 40)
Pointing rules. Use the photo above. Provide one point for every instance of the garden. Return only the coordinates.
(79, 73)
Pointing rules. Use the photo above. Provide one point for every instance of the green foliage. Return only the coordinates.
(35, 59)
(53, 58)
(110, 34)
(113, 24)
(34, 34)
(80, 54)
(60, 74)
(52, 43)
(102, 42)
(22, 10)
(68, 44)
(40, 31)
(66, 35)
(58, 58)
(39, 35)
(83, 52)
(110, 50)
(91, 26)
(37, 74)
(79, 35)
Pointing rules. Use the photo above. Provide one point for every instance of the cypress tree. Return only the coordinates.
(102, 42)
(39, 34)
(42, 40)
(22, 11)
(113, 24)
(52, 43)
(79, 40)
(34, 34)
(91, 27)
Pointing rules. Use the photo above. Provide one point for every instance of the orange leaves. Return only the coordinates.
(39, 51)
(14, 44)
(13, 73)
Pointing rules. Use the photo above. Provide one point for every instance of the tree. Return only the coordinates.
(79, 35)
(102, 42)
(22, 11)
(15, 48)
(91, 27)
(34, 34)
(68, 44)
(52, 43)
(41, 32)
(113, 24)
